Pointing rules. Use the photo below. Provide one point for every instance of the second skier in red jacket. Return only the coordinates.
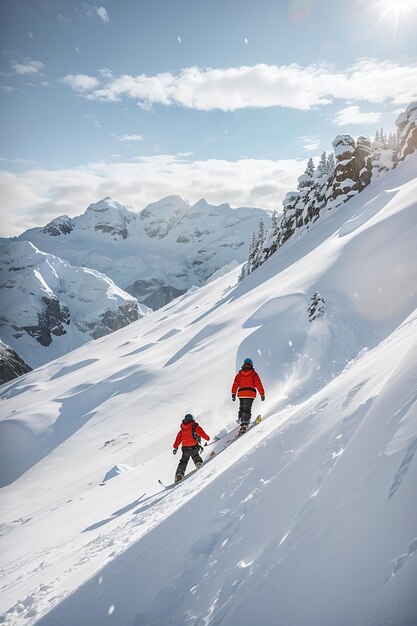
(189, 436)
(246, 383)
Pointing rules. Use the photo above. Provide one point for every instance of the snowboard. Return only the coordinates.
(219, 445)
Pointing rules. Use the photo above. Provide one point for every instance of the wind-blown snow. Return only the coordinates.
(309, 519)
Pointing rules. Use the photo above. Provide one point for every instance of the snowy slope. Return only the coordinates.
(158, 253)
(309, 519)
(49, 307)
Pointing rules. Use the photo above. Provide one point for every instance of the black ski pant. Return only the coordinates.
(187, 452)
(245, 410)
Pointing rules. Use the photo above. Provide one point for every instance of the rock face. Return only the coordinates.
(11, 364)
(156, 254)
(407, 132)
(356, 165)
(49, 307)
(154, 293)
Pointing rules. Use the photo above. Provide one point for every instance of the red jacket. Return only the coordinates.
(246, 383)
(185, 435)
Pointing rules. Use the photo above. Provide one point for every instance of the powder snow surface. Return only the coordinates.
(310, 519)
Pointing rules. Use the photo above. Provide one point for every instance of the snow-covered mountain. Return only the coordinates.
(156, 254)
(48, 307)
(310, 519)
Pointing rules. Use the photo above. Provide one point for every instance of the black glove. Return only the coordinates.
(175, 450)
(233, 397)
(200, 449)
(262, 398)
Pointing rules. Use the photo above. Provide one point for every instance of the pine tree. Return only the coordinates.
(322, 166)
(242, 274)
(259, 245)
(316, 307)
(274, 222)
(331, 164)
(252, 252)
(376, 138)
(310, 169)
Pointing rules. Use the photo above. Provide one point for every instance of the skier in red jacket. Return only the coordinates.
(246, 383)
(190, 436)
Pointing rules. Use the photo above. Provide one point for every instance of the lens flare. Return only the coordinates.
(299, 10)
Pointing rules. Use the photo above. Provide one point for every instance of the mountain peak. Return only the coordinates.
(160, 217)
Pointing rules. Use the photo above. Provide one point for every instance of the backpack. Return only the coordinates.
(194, 433)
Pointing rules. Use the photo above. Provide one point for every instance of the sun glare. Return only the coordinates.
(397, 10)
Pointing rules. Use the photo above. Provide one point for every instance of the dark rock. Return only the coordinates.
(11, 364)
(111, 320)
(50, 321)
(60, 226)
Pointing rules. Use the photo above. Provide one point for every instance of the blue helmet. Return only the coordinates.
(248, 361)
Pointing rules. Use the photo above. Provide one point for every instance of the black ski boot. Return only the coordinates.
(243, 427)
(178, 477)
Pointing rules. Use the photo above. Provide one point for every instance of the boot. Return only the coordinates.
(198, 464)
(243, 427)
(178, 477)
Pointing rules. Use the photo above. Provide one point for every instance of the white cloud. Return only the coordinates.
(353, 115)
(27, 66)
(103, 15)
(264, 85)
(81, 82)
(34, 197)
(310, 143)
(246, 40)
(130, 138)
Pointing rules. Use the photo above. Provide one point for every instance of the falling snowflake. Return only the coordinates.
(179, 39)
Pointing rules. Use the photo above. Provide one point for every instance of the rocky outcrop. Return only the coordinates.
(153, 293)
(356, 165)
(52, 315)
(62, 225)
(11, 364)
(406, 124)
(110, 320)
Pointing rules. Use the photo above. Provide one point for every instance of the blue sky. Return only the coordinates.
(223, 99)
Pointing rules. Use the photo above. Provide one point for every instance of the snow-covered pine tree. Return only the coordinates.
(260, 240)
(316, 307)
(310, 169)
(252, 253)
(305, 181)
(322, 166)
(242, 274)
(275, 223)
(331, 164)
